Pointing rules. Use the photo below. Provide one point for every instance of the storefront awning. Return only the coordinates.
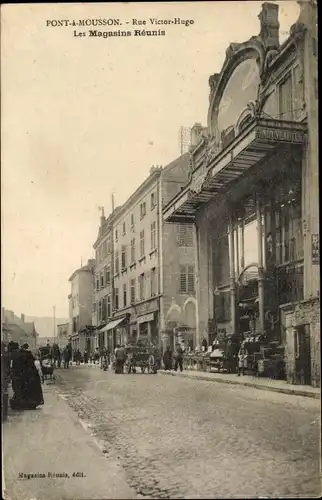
(252, 145)
(112, 324)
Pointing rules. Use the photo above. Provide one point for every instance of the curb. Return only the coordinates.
(286, 390)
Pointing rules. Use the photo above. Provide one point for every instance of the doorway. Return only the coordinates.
(303, 355)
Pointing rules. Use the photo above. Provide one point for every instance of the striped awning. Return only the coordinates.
(251, 146)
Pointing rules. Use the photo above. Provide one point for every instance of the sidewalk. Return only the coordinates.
(249, 381)
(52, 440)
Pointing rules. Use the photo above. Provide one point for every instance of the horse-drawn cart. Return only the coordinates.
(140, 356)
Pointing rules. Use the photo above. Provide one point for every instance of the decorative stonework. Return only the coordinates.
(198, 178)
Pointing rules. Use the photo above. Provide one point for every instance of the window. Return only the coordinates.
(100, 310)
(132, 250)
(124, 295)
(143, 210)
(102, 279)
(116, 235)
(286, 99)
(142, 243)
(124, 228)
(123, 257)
(108, 275)
(153, 277)
(185, 235)
(97, 256)
(153, 236)
(222, 306)
(104, 249)
(132, 221)
(117, 262)
(153, 200)
(141, 286)
(116, 298)
(94, 307)
(97, 282)
(132, 291)
(109, 311)
(104, 311)
(187, 279)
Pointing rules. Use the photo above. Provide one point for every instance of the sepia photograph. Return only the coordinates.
(160, 313)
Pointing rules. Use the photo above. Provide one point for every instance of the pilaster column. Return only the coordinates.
(149, 330)
(232, 276)
(260, 266)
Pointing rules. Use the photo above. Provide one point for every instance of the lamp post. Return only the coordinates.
(54, 310)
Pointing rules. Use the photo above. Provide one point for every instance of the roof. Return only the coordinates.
(84, 269)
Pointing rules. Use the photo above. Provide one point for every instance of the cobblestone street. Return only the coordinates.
(183, 438)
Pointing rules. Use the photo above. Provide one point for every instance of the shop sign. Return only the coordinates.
(146, 307)
(146, 318)
(315, 249)
(276, 134)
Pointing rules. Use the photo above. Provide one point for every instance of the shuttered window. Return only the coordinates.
(185, 235)
(187, 279)
(286, 99)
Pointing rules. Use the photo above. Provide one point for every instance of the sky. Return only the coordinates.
(85, 117)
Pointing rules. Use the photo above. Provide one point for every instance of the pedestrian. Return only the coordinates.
(38, 366)
(178, 358)
(27, 388)
(167, 358)
(242, 360)
(78, 357)
(85, 357)
(120, 359)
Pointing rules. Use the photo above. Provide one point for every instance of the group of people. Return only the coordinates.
(22, 370)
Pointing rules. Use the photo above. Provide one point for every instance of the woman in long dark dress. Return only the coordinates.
(27, 388)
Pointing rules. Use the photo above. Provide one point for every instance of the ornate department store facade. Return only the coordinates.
(253, 196)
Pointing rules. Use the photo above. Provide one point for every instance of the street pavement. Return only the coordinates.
(49, 441)
(176, 437)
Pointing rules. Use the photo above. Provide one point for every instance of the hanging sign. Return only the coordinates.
(315, 249)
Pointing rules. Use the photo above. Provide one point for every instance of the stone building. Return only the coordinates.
(16, 329)
(253, 194)
(80, 306)
(150, 265)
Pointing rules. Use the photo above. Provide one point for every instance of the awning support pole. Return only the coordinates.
(260, 265)
(232, 275)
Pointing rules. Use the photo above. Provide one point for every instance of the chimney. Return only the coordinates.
(23, 318)
(196, 131)
(269, 32)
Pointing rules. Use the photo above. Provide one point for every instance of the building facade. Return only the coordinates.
(103, 281)
(253, 195)
(80, 306)
(150, 265)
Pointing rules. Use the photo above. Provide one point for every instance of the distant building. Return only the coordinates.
(62, 335)
(16, 329)
(80, 305)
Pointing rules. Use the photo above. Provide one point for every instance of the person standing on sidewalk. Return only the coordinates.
(28, 394)
(167, 358)
(178, 358)
(242, 360)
